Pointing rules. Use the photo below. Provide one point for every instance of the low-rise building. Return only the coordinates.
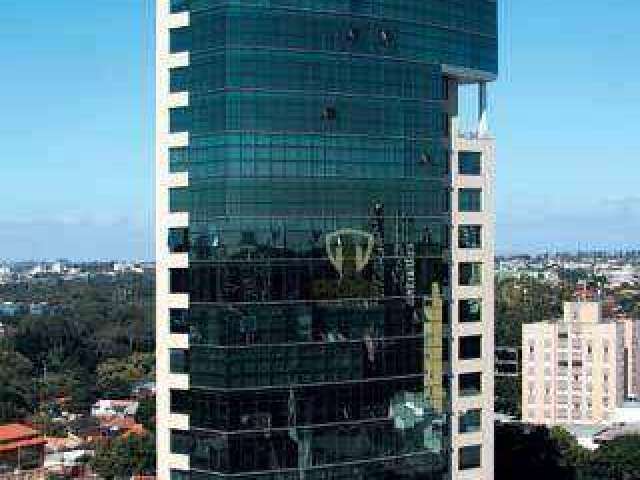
(21, 448)
(114, 408)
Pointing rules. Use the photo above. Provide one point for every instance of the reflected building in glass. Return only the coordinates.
(324, 240)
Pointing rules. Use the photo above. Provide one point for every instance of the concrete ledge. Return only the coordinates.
(178, 180)
(470, 366)
(178, 260)
(179, 20)
(179, 421)
(467, 439)
(178, 139)
(470, 181)
(178, 462)
(472, 474)
(178, 381)
(178, 220)
(178, 300)
(178, 60)
(179, 341)
(470, 292)
(466, 329)
(178, 99)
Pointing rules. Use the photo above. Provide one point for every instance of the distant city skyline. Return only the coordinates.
(76, 177)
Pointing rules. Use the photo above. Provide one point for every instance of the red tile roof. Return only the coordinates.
(30, 442)
(16, 431)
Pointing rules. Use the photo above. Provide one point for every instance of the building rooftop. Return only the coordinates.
(14, 436)
(16, 431)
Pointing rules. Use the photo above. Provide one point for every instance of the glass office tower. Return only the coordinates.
(305, 226)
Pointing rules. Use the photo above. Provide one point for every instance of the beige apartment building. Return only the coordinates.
(578, 369)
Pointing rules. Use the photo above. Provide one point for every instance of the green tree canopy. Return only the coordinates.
(123, 457)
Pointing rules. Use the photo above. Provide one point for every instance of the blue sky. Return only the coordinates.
(76, 91)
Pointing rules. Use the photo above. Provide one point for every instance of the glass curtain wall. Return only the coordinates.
(319, 209)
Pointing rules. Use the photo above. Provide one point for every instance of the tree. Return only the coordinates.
(618, 459)
(115, 377)
(123, 457)
(574, 455)
(507, 395)
(97, 323)
(16, 387)
(146, 414)
(528, 453)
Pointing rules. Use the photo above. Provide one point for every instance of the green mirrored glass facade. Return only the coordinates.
(319, 207)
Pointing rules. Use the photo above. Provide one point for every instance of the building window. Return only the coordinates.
(470, 347)
(177, 6)
(178, 240)
(470, 421)
(469, 163)
(470, 236)
(179, 120)
(469, 457)
(178, 159)
(178, 80)
(178, 360)
(470, 310)
(178, 321)
(180, 475)
(470, 384)
(178, 280)
(470, 274)
(179, 39)
(181, 442)
(470, 200)
(180, 401)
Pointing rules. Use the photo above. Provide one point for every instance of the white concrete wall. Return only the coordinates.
(165, 260)
(484, 144)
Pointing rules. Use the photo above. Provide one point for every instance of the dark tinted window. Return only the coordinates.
(470, 236)
(179, 320)
(470, 384)
(470, 200)
(470, 273)
(470, 347)
(178, 240)
(470, 421)
(470, 163)
(177, 6)
(178, 360)
(469, 457)
(178, 280)
(470, 310)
